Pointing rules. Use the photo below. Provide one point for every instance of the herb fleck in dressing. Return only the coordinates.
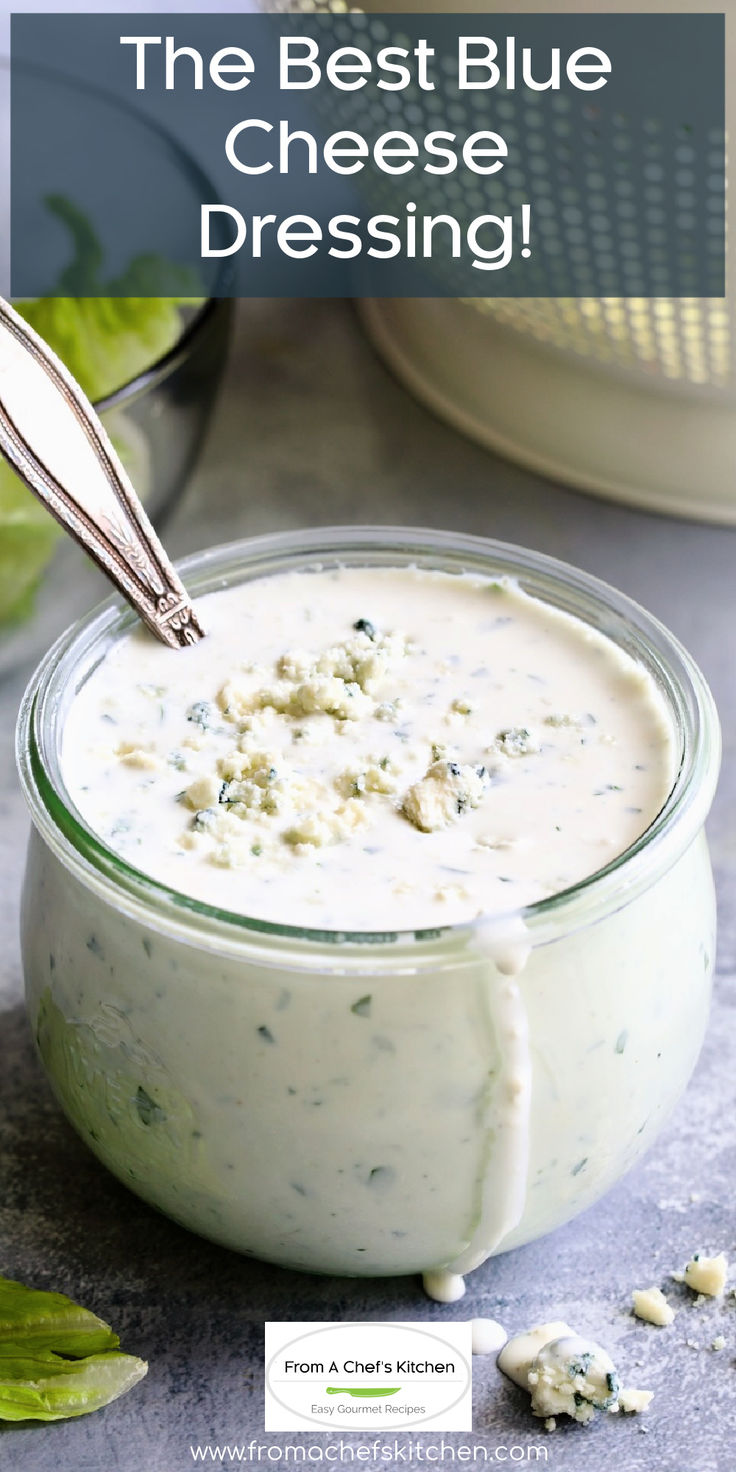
(371, 749)
(380, 750)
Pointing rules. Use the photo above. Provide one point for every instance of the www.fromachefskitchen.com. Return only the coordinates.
(224, 1454)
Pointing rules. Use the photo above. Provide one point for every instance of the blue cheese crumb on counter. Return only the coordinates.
(651, 1305)
(371, 749)
(706, 1275)
(568, 1375)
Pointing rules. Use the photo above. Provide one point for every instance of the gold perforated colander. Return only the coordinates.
(629, 397)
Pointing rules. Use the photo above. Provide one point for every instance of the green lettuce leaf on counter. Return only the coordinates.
(105, 341)
(57, 1359)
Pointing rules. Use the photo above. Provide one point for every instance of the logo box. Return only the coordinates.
(361, 1377)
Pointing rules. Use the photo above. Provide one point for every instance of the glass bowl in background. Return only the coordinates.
(629, 398)
(158, 417)
(157, 422)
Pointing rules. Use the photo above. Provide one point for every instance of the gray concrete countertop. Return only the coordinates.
(311, 429)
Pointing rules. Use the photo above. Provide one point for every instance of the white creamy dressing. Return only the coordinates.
(505, 1115)
(368, 750)
(488, 1336)
(371, 749)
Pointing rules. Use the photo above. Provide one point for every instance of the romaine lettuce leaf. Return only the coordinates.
(56, 1358)
(48, 1388)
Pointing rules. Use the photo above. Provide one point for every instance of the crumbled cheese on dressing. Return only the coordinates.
(251, 780)
(132, 755)
(467, 750)
(443, 794)
(518, 741)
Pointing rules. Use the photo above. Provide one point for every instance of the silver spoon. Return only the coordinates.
(52, 437)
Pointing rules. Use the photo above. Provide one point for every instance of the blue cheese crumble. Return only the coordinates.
(371, 748)
(707, 1275)
(651, 1305)
(568, 1375)
(443, 794)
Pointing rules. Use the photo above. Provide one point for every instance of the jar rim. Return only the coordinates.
(76, 653)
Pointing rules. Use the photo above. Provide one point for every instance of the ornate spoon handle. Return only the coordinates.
(52, 437)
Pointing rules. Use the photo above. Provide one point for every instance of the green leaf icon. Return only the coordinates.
(362, 1392)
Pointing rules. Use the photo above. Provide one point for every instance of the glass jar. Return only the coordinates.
(370, 1103)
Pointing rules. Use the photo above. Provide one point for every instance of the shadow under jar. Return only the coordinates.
(371, 1103)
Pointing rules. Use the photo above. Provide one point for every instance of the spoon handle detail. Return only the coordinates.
(54, 440)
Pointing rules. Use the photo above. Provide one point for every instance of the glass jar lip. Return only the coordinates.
(684, 688)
